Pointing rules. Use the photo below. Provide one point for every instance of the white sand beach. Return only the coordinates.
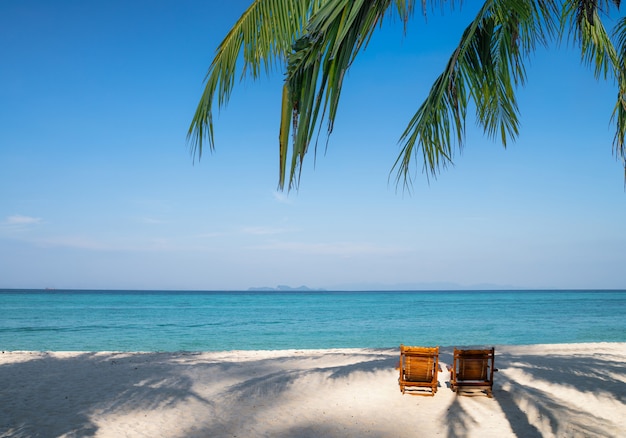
(565, 390)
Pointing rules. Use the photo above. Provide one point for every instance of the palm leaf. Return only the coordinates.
(316, 69)
(583, 20)
(260, 39)
(485, 68)
(619, 112)
(317, 40)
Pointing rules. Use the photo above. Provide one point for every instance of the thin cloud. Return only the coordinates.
(22, 220)
(77, 242)
(152, 221)
(209, 235)
(99, 244)
(262, 231)
(341, 249)
(282, 198)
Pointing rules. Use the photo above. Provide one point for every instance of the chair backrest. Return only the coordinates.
(474, 365)
(419, 364)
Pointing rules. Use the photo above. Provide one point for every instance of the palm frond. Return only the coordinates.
(316, 69)
(260, 39)
(582, 21)
(619, 112)
(317, 41)
(485, 68)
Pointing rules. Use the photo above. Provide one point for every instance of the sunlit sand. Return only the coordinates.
(565, 390)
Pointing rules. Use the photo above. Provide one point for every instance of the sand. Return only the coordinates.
(565, 390)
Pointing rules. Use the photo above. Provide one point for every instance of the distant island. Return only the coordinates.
(283, 288)
(379, 287)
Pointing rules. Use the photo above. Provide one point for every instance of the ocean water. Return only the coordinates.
(213, 321)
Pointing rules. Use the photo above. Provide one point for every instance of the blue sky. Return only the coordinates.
(98, 189)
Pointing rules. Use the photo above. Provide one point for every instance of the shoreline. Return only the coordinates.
(539, 390)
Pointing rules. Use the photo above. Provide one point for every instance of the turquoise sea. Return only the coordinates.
(211, 321)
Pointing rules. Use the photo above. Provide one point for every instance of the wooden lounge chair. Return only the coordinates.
(418, 370)
(472, 371)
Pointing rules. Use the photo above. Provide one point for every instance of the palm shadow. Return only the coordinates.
(595, 374)
(35, 398)
(35, 395)
(532, 412)
(273, 378)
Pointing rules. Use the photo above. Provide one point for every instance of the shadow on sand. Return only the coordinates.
(34, 397)
(532, 412)
(36, 401)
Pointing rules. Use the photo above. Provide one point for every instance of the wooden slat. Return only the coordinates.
(418, 369)
(473, 369)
